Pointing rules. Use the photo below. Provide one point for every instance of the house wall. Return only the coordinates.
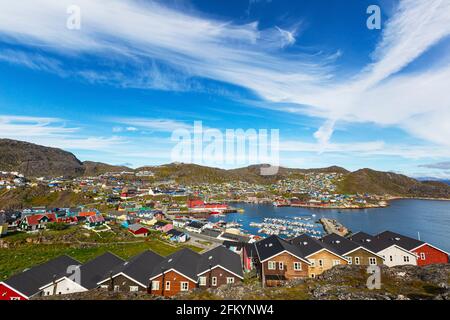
(8, 294)
(221, 275)
(432, 255)
(175, 284)
(64, 286)
(124, 284)
(327, 258)
(277, 276)
(364, 256)
(397, 257)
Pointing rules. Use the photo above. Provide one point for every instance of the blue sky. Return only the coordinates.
(339, 93)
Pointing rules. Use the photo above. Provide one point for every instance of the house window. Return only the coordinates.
(230, 280)
(271, 265)
(350, 260)
(214, 281)
(422, 255)
(313, 275)
(167, 285)
(406, 258)
(357, 261)
(336, 262)
(313, 262)
(104, 286)
(134, 289)
(185, 286)
(320, 263)
(280, 265)
(391, 258)
(297, 266)
(202, 281)
(155, 285)
(14, 298)
(116, 288)
(372, 261)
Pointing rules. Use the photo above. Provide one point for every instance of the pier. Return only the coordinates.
(334, 226)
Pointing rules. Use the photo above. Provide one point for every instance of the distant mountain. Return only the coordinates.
(37, 161)
(381, 183)
(96, 168)
(34, 160)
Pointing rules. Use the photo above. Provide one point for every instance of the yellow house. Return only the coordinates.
(320, 257)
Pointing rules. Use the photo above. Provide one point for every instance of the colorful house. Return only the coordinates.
(138, 230)
(36, 221)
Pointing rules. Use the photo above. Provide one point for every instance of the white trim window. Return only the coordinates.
(104, 286)
(184, 286)
(280, 265)
(357, 261)
(297, 266)
(202, 281)
(167, 286)
(230, 280)
(321, 263)
(272, 265)
(116, 288)
(350, 260)
(155, 285)
(336, 262)
(372, 261)
(313, 262)
(422, 256)
(405, 258)
(134, 288)
(313, 275)
(214, 281)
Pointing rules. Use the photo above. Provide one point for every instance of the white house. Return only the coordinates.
(397, 256)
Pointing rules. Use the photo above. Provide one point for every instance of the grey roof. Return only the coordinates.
(136, 227)
(139, 267)
(366, 240)
(174, 233)
(94, 270)
(308, 245)
(338, 244)
(29, 281)
(235, 237)
(273, 245)
(220, 256)
(184, 261)
(389, 237)
(211, 232)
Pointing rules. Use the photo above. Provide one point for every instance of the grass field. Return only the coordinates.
(25, 255)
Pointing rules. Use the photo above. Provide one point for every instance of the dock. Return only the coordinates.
(334, 226)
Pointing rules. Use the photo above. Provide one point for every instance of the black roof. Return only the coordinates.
(389, 237)
(196, 224)
(174, 232)
(94, 270)
(273, 245)
(184, 261)
(235, 237)
(139, 267)
(365, 240)
(211, 232)
(308, 245)
(338, 244)
(220, 256)
(29, 281)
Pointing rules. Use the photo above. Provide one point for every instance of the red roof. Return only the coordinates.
(36, 218)
(87, 214)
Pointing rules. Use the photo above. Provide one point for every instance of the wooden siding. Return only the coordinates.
(327, 259)
(175, 284)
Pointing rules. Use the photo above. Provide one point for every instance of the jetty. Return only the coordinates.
(334, 226)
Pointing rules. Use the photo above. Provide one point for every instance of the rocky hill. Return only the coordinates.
(382, 183)
(34, 160)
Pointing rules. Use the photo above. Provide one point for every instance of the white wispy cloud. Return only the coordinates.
(158, 125)
(53, 132)
(140, 33)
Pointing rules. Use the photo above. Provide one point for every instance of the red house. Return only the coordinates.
(8, 293)
(428, 254)
(138, 230)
